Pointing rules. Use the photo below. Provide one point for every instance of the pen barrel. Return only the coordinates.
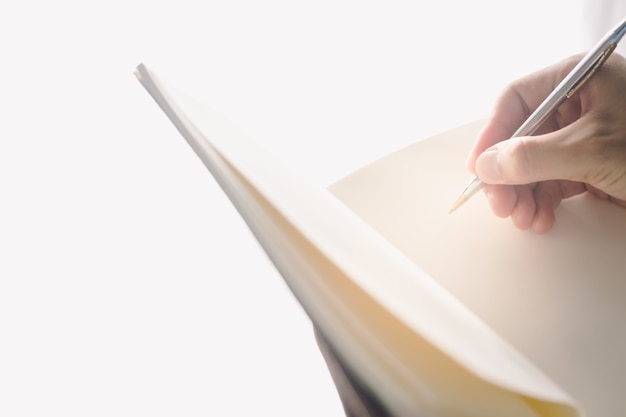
(540, 115)
(573, 81)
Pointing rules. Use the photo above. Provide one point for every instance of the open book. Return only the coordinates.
(440, 315)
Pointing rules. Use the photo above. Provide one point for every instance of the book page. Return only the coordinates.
(560, 298)
(411, 341)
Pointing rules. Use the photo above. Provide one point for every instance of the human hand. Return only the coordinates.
(580, 148)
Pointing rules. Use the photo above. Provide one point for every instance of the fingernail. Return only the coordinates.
(487, 166)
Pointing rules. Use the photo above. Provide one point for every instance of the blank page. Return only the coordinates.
(559, 298)
(396, 327)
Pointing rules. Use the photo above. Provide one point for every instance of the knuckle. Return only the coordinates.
(605, 150)
(523, 160)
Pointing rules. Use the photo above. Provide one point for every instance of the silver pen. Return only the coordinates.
(570, 84)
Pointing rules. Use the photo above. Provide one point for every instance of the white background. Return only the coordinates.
(129, 286)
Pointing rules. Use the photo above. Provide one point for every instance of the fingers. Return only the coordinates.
(525, 210)
(555, 155)
(492, 133)
(534, 174)
(531, 206)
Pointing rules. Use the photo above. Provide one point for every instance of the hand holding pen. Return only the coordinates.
(580, 144)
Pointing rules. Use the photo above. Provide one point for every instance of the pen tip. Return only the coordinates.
(458, 203)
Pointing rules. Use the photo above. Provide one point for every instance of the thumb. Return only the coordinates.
(523, 160)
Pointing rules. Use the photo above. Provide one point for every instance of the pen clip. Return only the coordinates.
(607, 52)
